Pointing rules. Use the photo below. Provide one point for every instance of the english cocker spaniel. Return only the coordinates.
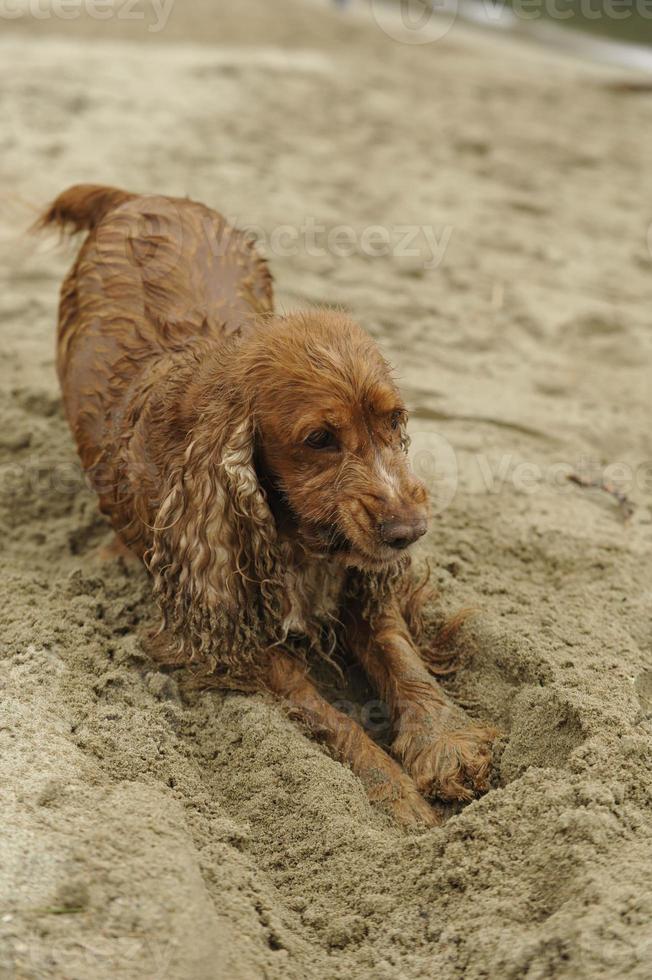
(258, 465)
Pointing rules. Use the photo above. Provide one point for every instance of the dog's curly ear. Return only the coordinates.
(214, 555)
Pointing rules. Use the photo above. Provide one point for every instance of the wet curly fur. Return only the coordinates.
(258, 465)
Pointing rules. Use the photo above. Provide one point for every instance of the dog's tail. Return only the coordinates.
(81, 207)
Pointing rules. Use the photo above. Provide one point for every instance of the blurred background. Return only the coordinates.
(549, 20)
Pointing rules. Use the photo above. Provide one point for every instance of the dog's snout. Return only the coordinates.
(401, 533)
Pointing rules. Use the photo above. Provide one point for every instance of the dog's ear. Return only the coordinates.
(214, 556)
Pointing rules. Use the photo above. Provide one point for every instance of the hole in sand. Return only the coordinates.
(643, 688)
(545, 730)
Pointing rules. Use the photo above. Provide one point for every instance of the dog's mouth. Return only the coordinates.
(328, 539)
(336, 544)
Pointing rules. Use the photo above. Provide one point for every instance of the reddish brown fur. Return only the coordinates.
(257, 463)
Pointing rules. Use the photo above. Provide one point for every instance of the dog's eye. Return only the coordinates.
(321, 439)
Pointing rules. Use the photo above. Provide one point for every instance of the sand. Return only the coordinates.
(148, 835)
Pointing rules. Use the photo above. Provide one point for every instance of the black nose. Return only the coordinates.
(401, 534)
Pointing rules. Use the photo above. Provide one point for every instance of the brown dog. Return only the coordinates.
(257, 463)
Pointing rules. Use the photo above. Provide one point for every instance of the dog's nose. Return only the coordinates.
(400, 533)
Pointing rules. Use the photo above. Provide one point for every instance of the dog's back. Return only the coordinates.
(154, 275)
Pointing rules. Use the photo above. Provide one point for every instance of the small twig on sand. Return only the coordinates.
(497, 296)
(626, 506)
(638, 88)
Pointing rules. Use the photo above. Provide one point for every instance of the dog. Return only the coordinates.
(257, 463)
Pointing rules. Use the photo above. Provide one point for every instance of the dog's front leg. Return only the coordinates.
(445, 754)
(383, 779)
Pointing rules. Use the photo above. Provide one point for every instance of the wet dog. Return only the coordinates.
(258, 465)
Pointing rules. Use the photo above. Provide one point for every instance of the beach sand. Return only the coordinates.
(147, 835)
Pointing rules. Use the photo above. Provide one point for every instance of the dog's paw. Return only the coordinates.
(397, 793)
(453, 765)
(411, 810)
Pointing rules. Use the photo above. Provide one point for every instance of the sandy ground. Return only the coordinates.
(145, 836)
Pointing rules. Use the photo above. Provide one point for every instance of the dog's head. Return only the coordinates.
(294, 433)
(331, 439)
